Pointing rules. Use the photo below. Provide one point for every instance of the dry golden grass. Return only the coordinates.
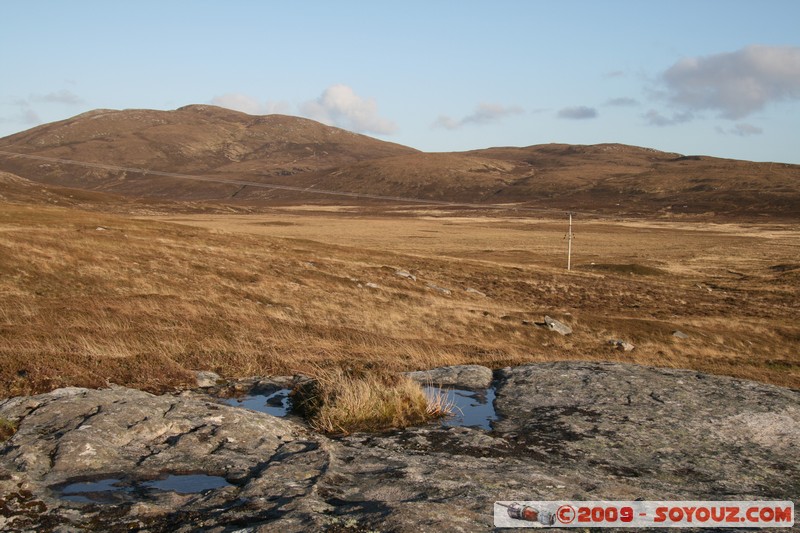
(338, 402)
(145, 302)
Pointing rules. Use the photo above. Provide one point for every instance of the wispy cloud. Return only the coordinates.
(58, 97)
(23, 114)
(623, 101)
(25, 109)
(29, 116)
(736, 84)
(741, 129)
(248, 104)
(655, 118)
(577, 113)
(339, 105)
(745, 130)
(483, 114)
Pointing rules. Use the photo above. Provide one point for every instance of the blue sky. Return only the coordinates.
(697, 77)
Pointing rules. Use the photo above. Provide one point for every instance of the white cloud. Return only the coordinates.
(248, 104)
(736, 84)
(484, 114)
(578, 113)
(340, 106)
(238, 102)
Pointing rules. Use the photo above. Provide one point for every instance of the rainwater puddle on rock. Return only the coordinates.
(277, 404)
(187, 484)
(470, 408)
(101, 491)
(114, 490)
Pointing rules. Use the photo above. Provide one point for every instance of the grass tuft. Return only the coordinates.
(7, 429)
(337, 402)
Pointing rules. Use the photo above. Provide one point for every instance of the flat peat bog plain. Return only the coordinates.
(95, 297)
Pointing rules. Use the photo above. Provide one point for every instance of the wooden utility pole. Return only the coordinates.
(569, 243)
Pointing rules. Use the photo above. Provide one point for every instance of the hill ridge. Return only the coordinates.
(300, 154)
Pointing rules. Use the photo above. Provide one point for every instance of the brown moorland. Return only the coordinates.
(91, 298)
(110, 278)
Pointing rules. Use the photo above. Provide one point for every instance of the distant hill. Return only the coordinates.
(196, 139)
(298, 153)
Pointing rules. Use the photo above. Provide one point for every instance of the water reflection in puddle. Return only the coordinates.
(94, 491)
(187, 484)
(277, 404)
(115, 490)
(470, 408)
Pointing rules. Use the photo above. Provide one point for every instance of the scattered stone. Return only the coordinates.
(406, 274)
(100, 228)
(621, 345)
(555, 325)
(206, 378)
(679, 334)
(438, 288)
(371, 285)
(460, 376)
(476, 292)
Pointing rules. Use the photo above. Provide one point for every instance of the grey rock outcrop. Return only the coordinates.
(656, 432)
(566, 430)
(73, 435)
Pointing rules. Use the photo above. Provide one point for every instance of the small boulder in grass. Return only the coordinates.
(437, 288)
(406, 274)
(621, 345)
(207, 379)
(554, 325)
